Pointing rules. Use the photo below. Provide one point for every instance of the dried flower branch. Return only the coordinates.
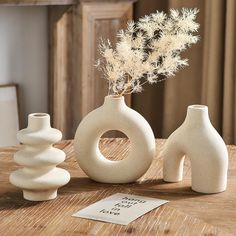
(148, 51)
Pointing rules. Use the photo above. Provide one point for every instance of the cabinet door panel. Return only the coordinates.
(82, 84)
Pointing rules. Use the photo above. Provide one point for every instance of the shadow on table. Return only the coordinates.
(85, 184)
(151, 187)
(161, 189)
(15, 200)
(156, 188)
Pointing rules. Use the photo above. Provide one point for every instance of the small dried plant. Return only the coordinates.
(148, 51)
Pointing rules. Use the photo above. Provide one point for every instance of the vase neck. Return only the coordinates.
(113, 102)
(197, 115)
(38, 121)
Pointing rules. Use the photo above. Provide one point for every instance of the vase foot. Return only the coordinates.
(208, 191)
(39, 195)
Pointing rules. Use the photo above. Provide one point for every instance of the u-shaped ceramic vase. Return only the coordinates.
(199, 140)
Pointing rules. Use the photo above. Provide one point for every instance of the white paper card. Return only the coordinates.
(120, 208)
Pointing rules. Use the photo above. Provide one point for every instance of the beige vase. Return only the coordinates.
(114, 115)
(197, 139)
(39, 178)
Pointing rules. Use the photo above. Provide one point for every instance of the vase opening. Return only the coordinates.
(114, 96)
(111, 153)
(200, 107)
(37, 121)
(39, 115)
(197, 114)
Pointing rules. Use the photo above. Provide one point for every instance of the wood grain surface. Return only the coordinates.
(187, 213)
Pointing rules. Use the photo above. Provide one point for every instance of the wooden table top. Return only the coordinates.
(187, 213)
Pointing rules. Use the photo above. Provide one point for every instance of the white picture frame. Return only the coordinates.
(9, 115)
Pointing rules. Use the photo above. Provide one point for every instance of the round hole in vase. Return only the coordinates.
(114, 115)
(115, 145)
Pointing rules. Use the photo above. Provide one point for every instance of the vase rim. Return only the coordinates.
(114, 97)
(39, 115)
(38, 121)
(198, 107)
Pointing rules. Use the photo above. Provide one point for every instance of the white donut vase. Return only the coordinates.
(114, 115)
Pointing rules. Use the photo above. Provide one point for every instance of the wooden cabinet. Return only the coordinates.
(76, 87)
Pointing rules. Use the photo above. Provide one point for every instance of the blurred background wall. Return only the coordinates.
(24, 55)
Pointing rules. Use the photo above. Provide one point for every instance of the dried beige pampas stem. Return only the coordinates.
(148, 51)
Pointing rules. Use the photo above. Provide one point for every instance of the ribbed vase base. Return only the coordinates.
(39, 195)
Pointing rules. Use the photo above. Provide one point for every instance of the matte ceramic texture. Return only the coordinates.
(40, 178)
(114, 115)
(197, 139)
